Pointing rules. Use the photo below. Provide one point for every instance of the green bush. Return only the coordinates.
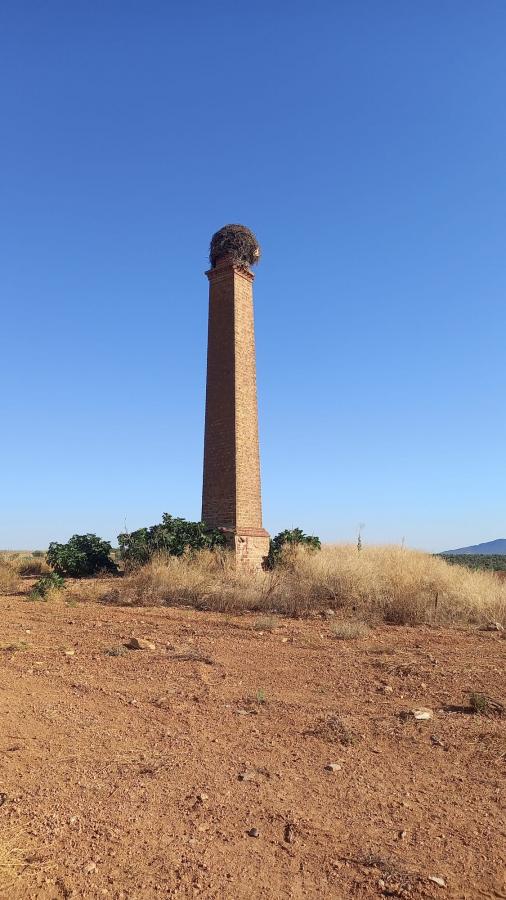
(38, 553)
(495, 562)
(84, 554)
(293, 536)
(174, 536)
(46, 584)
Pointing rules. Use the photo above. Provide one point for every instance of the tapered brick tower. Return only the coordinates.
(231, 497)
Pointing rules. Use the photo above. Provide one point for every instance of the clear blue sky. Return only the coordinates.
(365, 144)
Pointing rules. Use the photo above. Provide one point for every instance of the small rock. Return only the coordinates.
(140, 644)
(202, 797)
(388, 689)
(289, 833)
(69, 652)
(437, 880)
(254, 832)
(402, 835)
(284, 640)
(381, 883)
(90, 868)
(329, 613)
(332, 767)
(422, 713)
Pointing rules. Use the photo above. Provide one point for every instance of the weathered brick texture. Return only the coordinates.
(231, 491)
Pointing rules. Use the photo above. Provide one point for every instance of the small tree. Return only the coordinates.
(290, 537)
(174, 536)
(83, 554)
(47, 585)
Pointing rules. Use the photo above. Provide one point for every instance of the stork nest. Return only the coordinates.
(235, 241)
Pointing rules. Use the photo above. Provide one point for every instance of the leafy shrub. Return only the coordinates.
(290, 537)
(37, 553)
(48, 584)
(83, 554)
(174, 536)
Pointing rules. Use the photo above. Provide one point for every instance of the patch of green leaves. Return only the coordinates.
(45, 585)
(290, 537)
(82, 555)
(174, 536)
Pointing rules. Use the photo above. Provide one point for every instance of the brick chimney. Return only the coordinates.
(231, 498)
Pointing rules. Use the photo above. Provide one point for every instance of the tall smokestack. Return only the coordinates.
(231, 498)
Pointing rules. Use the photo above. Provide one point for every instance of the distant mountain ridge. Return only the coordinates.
(490, 548)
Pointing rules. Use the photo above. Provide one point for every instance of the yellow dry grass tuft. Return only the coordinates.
(349, 631)
(30, 565)
(9, 581)
(400, 586)
(12, 861)
(387, 584)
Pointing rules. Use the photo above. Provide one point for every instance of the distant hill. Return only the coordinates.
(491, 548)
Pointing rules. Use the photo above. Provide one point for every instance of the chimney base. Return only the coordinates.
(250, 546)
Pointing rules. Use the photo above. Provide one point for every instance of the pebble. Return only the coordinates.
(202, 797)
(254, 832)
(140, 644)
(90, 868)
(332, 767)
(289, 832)
(422, 713)
(437, 880)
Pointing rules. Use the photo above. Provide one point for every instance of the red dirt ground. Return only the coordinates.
(120, 775)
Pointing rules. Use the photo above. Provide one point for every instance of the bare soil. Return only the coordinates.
(140, 773)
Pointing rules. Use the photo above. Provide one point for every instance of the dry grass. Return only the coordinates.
(9, 580)
(387, 584)
(347, 631)
(266, 623)
(12, 860)
(30, 565)
(84, 590)
(401, 586)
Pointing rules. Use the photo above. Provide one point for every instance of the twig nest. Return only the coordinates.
(237, 242)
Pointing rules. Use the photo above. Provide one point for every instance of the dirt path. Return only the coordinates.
(139, 775)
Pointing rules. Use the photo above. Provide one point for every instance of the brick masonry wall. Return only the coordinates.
(231, 491)
(248, 499)
(219, 488)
